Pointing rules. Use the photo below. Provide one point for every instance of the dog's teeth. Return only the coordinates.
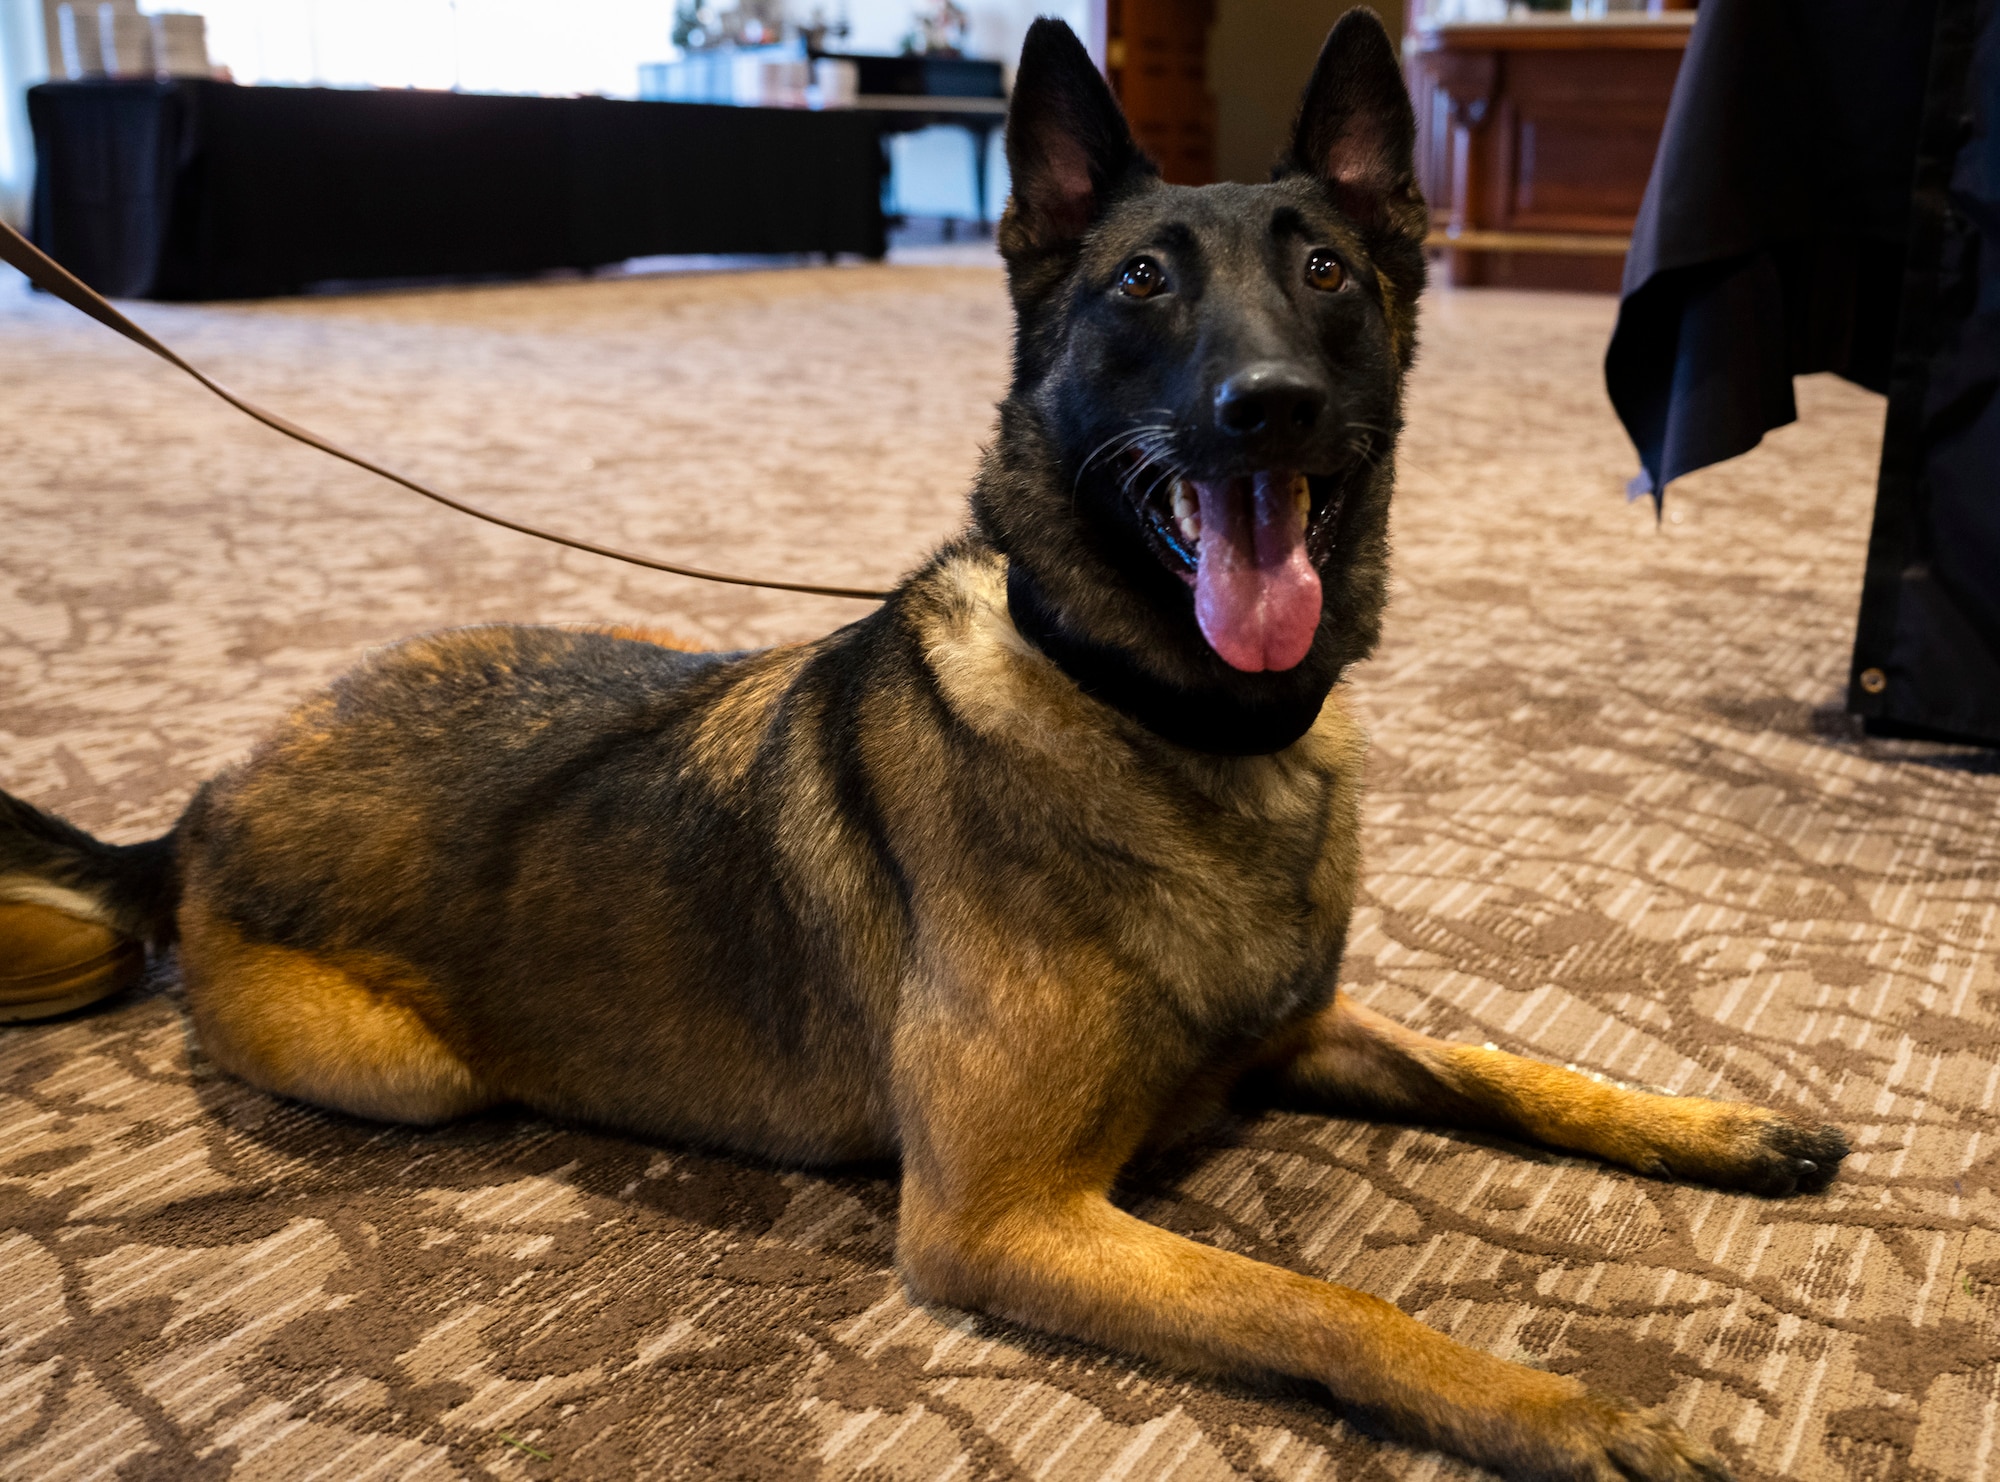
(1302, 494)
(1187, 512)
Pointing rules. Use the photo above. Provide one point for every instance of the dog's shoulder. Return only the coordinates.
(992, 679)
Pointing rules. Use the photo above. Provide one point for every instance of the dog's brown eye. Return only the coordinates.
(1142, 278)
(1324, 271)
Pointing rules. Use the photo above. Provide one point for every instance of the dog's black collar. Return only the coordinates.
(1199, 719)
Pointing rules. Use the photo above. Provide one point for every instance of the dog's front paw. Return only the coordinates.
(1794, 1158)
(1603, 1440)
(1758, 1151)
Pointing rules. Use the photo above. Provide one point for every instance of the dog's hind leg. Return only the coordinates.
(339, 1033)
(1353, 1061)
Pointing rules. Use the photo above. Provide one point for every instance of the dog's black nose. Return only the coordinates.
(1268, 399)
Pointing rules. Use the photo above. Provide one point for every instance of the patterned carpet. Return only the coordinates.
(1616, 819)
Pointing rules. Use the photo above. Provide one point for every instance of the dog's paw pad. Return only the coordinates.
(1731, 1146)
(1778, 1157)
(1811, 1155)
(1633, 1446)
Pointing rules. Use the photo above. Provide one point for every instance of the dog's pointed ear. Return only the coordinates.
(1068, 147)
(1356, 130)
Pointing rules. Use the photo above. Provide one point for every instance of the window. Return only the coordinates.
(499, 46)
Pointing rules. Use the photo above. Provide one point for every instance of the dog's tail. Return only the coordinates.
(129, 889)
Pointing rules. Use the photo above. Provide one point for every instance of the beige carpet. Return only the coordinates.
(1616, 819)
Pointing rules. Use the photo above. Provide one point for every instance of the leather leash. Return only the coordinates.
(51, 276)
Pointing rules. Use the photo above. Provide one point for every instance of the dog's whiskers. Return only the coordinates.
(1156, 461)
(1366, 443)
(1122, 441)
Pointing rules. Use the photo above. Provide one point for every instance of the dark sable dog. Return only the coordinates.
(1015, 879)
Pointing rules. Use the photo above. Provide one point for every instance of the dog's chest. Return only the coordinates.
(1220, 886)
(1241, 904)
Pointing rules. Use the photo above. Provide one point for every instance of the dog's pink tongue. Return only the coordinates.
(1256, 595)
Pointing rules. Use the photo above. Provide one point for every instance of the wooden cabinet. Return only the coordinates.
(1535, 138)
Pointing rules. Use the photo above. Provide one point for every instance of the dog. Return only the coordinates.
(1018, 880)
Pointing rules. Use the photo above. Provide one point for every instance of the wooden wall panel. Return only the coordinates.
(1157, 60)
(1259, 56)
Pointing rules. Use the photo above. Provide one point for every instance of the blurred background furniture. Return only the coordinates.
(980, 118)
(912, 92)
(204, 190)
(908, 93)
(1535, 136)
(1827, 198)
(1212, 85)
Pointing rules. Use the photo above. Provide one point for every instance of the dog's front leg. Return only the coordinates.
(1351, 1060)
(1017, 1110)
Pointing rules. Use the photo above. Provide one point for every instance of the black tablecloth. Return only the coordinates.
(197, 190)
(1771, 237)
(1799, 219)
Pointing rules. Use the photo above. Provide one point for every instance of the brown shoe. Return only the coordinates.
(52, 962)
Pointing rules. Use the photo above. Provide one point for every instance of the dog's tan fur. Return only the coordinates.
(341, 1031)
